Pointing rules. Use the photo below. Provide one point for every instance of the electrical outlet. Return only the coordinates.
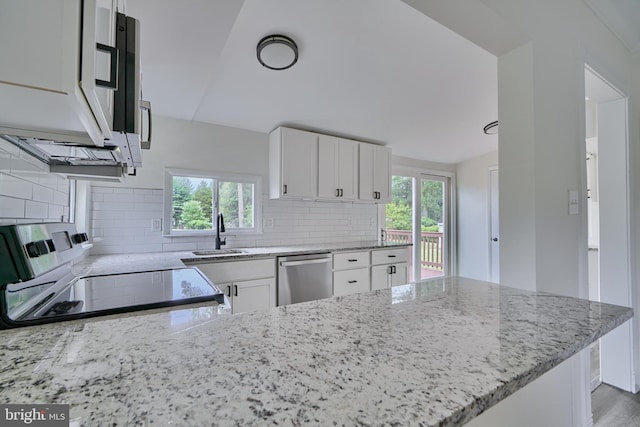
(268, 223)
(156, 225)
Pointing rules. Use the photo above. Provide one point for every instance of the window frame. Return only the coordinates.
(256, 180)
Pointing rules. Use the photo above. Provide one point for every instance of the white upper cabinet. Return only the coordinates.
(375, 173)
(308, 165)
(52, 74)
(293, 164)
(337, 168)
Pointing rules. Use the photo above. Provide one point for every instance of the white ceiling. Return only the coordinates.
(375, 70)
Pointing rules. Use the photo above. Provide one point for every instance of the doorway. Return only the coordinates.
(419, 213)
(608, 219)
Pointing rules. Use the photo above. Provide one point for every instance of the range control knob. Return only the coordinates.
(36, 249)
(79, 238)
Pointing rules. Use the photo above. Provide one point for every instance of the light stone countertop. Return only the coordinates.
(128, 263)
(437, 352)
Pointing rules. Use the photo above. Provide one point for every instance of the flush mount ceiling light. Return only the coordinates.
(491, 128)
(277, 52)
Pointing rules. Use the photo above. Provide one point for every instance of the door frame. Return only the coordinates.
(417, 174)
(490, 170)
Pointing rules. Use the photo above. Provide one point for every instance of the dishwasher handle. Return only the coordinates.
(304, 262)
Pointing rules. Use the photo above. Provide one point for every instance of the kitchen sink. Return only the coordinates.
(214, 252)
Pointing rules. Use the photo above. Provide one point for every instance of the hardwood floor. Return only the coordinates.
(612, 407)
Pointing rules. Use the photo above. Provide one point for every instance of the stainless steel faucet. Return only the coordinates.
(220, 229)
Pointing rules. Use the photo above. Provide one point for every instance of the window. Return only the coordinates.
(193, 200)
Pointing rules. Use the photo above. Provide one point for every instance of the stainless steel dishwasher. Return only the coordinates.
(304, 278)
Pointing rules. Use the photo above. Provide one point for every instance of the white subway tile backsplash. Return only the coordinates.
(55, 211)
(15, 187)
(36, 210)
(117, 212)
(28, 192)
(11, 207)
(60, 198)
(118, 197)
(42, 194)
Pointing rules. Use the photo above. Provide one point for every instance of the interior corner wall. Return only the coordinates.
(473, 215)
(516, 153)
(634, 151)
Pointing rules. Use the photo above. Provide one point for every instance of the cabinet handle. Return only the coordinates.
(235, 290)
(284, 189)
(394, 269)
(229, 291)
(341, 192)
(337, 192)
(352, 260)
(113, 75)
(352, 281)
(391, 256)
(390, 269)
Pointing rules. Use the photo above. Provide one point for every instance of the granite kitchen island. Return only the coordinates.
(438, 352)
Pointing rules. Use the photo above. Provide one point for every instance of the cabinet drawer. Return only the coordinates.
(348, 260)
(351, 281)
(233, 271)
(389, 256)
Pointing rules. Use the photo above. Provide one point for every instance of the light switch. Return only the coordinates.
(574, 203)
(156, 225)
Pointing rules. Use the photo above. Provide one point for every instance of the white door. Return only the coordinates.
(494, 227)
(615, 267)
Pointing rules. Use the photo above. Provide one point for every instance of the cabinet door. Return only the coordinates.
(348, 169)
(337, 168)
(375, 173)
(299, 163)
(365, 176)
(328, 154)
(252, 295)
(400, 274)
(379, 277)
(382, 174)
(40, 67)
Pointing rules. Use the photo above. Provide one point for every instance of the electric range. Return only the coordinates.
(37, 284)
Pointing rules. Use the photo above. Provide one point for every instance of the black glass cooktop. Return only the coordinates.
(101, 295)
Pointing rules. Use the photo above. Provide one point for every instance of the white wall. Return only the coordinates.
(634, 152)
(542, 137)
(473, 216)
(121, 214)
(28, 192)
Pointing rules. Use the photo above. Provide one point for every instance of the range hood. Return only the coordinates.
(112, 162)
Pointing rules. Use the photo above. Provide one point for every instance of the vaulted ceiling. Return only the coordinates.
(375, 70)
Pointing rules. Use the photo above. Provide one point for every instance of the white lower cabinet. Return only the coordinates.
(350, 281)
(390, 267)
(250, 295)
(249, 284)
(351, 273)
(386, 276)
